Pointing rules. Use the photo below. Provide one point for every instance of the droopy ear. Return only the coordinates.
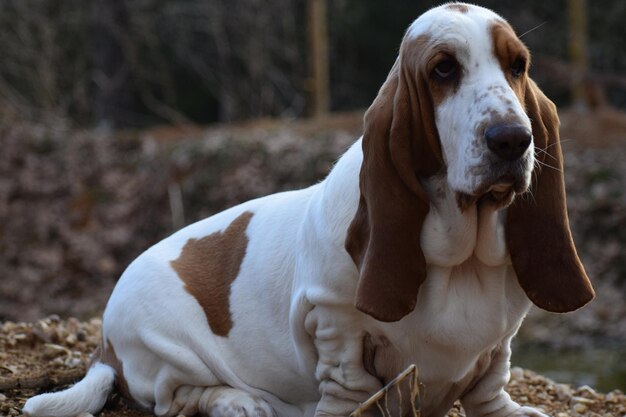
(400, 144)
(537, 228)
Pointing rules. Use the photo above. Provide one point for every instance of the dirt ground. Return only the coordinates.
(52, 353)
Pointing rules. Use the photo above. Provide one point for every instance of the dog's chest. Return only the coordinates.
(463, 316)
(469, 303)
(461, 312)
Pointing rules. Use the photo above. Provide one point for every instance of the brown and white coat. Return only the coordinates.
(426, 244)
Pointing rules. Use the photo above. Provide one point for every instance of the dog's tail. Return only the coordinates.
(88, 395)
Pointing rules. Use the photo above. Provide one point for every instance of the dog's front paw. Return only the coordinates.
(230, 402)
(527, 412)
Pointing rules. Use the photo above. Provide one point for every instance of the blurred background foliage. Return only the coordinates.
(136, 63)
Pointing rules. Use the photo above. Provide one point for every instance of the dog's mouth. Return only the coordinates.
(498, 194)
(501, 194)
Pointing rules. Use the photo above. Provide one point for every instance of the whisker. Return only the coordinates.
(528, 196)
(562, 141)
(545, 152)
(559, 142)
(531, 195)
(535, 28)
(543, 164)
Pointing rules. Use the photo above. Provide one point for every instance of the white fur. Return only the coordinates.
(296, 346)
(88, 395)
(484, 94)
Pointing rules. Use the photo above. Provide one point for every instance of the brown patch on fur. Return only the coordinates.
(109, 357)
(507, 48)
(369, 354)
(400, 146)
(424, 55)
(537, 227)
(440, 89)
(464, 201)
(376, 358)
(208, 267)
(380, 359)
(458, 7)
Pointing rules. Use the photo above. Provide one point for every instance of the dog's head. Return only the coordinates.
(459, 100)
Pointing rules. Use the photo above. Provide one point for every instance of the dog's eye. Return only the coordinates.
(446, 69)
(518, 68)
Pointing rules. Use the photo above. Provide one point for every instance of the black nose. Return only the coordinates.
(509, 142)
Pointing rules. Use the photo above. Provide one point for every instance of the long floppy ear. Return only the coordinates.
(400, 144)
(537, 227)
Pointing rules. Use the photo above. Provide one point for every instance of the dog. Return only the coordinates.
(426, 244)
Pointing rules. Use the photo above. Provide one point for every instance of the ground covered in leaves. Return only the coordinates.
(52, 353)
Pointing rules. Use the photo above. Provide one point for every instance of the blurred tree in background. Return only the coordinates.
(135, 63)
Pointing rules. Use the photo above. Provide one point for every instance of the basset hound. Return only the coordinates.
(427, 243)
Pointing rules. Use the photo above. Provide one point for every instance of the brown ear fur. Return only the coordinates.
(400, 144)
(537, 228)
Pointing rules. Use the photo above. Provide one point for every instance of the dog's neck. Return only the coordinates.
(452, 235)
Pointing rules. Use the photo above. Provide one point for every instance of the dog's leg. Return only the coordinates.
(231, 402)
(488, 397)
(343, 381)
(219, 401)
